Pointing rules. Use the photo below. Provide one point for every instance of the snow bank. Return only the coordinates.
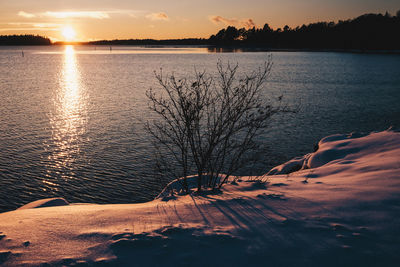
(339, 148)
(42, 203)
(345, 148)
(341, 208)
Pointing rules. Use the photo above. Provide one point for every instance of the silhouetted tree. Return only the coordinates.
(267, 28)
(207, 126)
(286, 28)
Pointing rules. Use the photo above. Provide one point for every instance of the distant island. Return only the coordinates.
(26, 39)
(366, 32)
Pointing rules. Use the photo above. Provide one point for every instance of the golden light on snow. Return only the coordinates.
(68, 33)
(354, 187)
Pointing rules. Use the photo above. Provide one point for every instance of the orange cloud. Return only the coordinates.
(249, 23)
(31, 26)
(85, 14)
(26, 14)
(246, 23)
(77, 14)
(157, 16)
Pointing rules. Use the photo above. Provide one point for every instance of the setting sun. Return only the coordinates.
(68, 33)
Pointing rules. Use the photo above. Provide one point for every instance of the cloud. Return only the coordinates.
(94, 14)
(249, 23)
(246, 23)
(26, 15)
(217, 19)
(157, 16)
(32, 26)
(27, 28)
(46, 25)
(77, 14)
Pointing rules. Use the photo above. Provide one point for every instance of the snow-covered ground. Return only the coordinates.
(340, 208)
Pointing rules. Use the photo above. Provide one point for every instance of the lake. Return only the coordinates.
(71, 118)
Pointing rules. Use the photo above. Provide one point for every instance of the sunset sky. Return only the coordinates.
(78, 20)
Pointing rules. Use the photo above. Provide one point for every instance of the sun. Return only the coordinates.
(69, 33)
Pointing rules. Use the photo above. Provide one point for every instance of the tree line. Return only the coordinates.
(26, 39)
(187, 41)
(369, 31)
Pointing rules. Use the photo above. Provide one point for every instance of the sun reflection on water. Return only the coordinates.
(68, 122)
(70, 96)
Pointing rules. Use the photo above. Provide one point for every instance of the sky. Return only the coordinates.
(78, 20)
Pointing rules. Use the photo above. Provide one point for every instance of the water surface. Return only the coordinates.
(71, 117)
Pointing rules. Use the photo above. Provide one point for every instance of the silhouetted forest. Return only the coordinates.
(189, 41)
(366, 32)
(26, 39)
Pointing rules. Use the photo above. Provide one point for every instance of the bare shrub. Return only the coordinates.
(208, 125)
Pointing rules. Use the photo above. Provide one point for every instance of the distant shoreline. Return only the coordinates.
(226, 49)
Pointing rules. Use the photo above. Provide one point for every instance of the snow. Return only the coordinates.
(290, 166)
(340, 208)
(42, 203)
